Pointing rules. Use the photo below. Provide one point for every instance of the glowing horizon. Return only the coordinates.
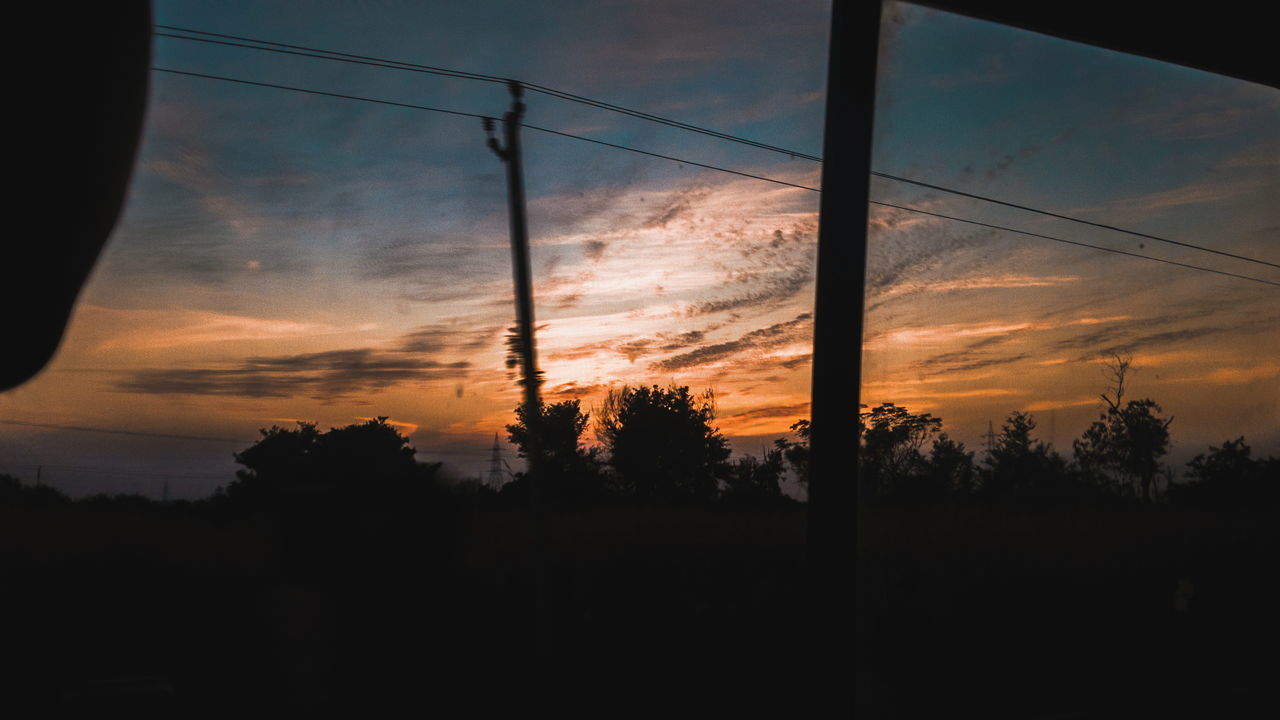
(284, 256)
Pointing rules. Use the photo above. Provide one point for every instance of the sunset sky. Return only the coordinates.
(285, 256)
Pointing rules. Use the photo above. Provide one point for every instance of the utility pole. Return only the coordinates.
(510, 155)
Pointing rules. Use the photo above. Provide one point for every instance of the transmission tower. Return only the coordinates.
(496, 476)
(991, 440)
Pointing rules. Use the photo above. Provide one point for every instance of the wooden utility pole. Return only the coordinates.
(511, 157)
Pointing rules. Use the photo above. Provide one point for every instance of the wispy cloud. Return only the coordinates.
(1130, 337)
(427, 353)
(768, 420)
(992, 282)
(594, 249)
(1206, 114)
(1262, 156)
(672, 37)
(1029, 150)
(1239, 375)
(797, 330)
(925, 396)
(678, 205)
(141, 330)
(324, 376)
(909, 256)
(407, 428)
(1199, 193)
(994, 68)
(772, 289)
(769, 271)
(956, 365)
(1045, 405)
(574, 390)
(796, 411)
(448, 338)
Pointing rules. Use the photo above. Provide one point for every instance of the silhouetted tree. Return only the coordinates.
(891, 441)
(755, 481)
(373, 460)
(14, 492)
(365, 464)
(120, 501)
(662, 443)
(796, 452)
(1141, 438)
(1123, 447)
(1094, 457)
(282, 459)
(950, 469)
(1227, 476)
(1022, 467)
(349, 502)
(572, 473)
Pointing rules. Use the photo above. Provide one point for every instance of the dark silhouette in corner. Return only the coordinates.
(78, 124)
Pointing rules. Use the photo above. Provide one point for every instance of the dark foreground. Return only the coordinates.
(976, 610)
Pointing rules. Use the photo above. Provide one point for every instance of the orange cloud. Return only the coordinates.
(942, 333)
(1194, 194)
(1002, 281)
(408, 428)
(1098, 321)
(1237, 376)
(157, 329)
(1043, 405)
(929, 396)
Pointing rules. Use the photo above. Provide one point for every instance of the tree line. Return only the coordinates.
(660, 446)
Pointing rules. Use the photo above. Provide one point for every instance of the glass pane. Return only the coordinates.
(971, 321)
(288, 256)
(1073, 275)
(327, 240)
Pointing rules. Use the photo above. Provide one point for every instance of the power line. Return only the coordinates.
(483, 117)
(319, 53)
(672, 123)
(1157, 238)
(669, 157)
(282, 49)
(1073, 242)
(736, 172)
(304, 51)
(319, 92)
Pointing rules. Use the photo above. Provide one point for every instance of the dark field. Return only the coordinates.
(990, 611)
